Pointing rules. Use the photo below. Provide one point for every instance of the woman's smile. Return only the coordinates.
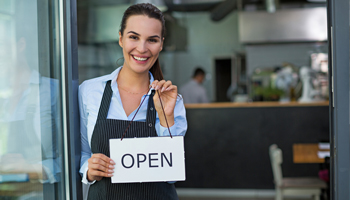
(140, 59)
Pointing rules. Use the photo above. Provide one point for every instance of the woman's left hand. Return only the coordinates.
(168, 94)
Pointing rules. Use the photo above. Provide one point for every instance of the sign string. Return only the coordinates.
(139, 109)
(160, 99)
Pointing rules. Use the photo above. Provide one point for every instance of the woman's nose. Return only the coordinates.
(141, 47)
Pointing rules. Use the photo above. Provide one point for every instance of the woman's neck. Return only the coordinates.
(133, 81)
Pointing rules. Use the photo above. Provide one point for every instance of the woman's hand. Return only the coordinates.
(168, 94)
(99, 166)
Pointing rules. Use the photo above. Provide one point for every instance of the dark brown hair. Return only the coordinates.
(198, 71)
(150, 11)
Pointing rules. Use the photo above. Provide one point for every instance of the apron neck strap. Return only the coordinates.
(106, 101)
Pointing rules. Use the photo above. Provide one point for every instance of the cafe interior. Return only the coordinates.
(265, 132)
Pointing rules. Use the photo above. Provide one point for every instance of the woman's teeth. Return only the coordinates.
(140, 59)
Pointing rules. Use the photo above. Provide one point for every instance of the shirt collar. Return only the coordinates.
(114, 75)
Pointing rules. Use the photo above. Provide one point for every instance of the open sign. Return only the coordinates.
(152, 159)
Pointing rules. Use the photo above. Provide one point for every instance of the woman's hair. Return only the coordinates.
(150, 11)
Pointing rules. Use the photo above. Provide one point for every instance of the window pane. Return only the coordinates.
(30, 101)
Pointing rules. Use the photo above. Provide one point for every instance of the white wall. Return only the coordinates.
(272, 55)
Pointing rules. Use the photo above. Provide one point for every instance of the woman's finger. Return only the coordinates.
(154, 84)
(102, 163)
(99, 173)
(159, 85)
(102, 168)
(103, 157)
(172, 87)
(98, 167)
(166, 85)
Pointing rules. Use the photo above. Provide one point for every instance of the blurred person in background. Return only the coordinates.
(193, 91)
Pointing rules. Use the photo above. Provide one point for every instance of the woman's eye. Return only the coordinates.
(153, 40)
(133, 37)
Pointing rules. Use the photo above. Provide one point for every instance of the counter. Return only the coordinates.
(255, 104)
(227, 144)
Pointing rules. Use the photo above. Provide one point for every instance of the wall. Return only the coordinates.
(206, 40)
(271, 55)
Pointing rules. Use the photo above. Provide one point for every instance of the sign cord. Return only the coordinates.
(139, 109)
(164, 114)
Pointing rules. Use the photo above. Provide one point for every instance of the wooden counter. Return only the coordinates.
(255, 104)
(307, 153)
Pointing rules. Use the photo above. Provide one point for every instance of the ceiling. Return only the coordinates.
(218, 9)
(198, 5)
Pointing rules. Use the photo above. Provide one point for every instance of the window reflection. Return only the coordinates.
(29, 106)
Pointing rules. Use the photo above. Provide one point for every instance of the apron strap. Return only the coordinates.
(106, 101)
(151, 112)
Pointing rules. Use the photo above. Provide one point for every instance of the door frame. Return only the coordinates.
(338, 42)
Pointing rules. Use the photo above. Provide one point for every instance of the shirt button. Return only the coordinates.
(150, 124)
(151, 108)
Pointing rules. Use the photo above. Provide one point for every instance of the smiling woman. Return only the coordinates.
(141, 37)
(141, 43)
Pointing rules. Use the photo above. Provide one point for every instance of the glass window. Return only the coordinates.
(30, 101)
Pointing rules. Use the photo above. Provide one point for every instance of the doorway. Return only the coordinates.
(223, 78)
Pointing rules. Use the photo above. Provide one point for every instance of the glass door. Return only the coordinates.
(32, 121)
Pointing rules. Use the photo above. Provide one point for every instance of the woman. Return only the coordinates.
(109, 103)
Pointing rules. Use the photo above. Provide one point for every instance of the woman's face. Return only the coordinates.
(141, 42)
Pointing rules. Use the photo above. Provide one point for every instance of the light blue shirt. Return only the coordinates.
(90, 95)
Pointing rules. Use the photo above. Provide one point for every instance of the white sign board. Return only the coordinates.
(152, 159)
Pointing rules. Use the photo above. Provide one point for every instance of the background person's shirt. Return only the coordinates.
(193, 92)
(90, 96)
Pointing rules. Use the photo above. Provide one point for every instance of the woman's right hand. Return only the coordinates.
(99, 166)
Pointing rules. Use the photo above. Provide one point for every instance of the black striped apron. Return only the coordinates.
(106, 129)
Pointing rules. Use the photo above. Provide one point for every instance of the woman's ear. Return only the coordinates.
(120, 40)
(161, 48)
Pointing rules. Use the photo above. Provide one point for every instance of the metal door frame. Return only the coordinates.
(70, 84)
(338, 38)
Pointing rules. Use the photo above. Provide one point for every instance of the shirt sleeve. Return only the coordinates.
(180, 126)
(85, 147)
